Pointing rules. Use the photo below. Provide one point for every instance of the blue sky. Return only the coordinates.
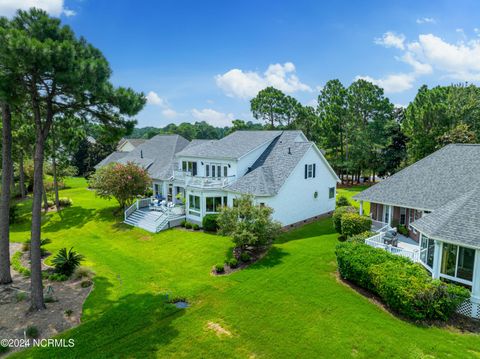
(204, 60)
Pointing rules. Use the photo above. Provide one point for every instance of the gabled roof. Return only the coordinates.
(431, 182)
(274, 166)
(233, 146)
(458, 221)
(135, 142)
(111, 158)
(157, 155)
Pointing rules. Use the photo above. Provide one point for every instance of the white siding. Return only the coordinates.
(295, 201)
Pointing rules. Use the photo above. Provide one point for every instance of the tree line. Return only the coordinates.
(54, 88)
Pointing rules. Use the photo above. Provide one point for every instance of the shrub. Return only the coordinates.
(232, 262)
(337, 217)
(245, 257)
(21, 296)
(343, 201)
(401, 284)
(13, 213)
(57, 277)
(82, 272)
(43, 242)
(17, 265)
(65, 262)
(195, 227)
(402, 229)
(65, 202)
(183, 223)
(32, 332)
(188, 225)
(86, 283)
(360, 238)
(4, 349)
(353, 223)
(219, 268)
(210, 223)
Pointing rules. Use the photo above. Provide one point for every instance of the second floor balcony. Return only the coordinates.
(201, 181)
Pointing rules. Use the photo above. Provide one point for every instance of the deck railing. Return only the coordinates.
(203, 182)
(376, 241)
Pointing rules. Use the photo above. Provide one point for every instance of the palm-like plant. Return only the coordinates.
(65, 262)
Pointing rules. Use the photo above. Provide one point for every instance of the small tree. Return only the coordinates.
(123, 182)
(248, 224)
(343, 201)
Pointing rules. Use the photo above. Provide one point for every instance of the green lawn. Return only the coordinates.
(288, 305)
(349, 192)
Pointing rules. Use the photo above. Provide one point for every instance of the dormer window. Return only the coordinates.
(310, 170)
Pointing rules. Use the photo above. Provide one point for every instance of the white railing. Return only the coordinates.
(203, 182)
(376, 241)
(143, 202)
(130, 210)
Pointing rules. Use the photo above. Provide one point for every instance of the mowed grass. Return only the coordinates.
(290, 304)
(349, 192)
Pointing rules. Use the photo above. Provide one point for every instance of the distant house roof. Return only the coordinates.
(274, 166)
(157, 155)
(431, 182)
(135, 142)
(233, 146)
(111, 158)
(457, 221)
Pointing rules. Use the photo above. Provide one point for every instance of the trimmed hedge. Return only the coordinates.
(209, 222)
(401, 284)
(337, 216)
(360, 238)
(353, 223)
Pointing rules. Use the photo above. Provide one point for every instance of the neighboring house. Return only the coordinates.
(129, 144)
(438, 199)
(281, 169)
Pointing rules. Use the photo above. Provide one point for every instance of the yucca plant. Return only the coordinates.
(65, 262)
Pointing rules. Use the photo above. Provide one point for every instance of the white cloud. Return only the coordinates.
(53, 7)
(153, 99)
(212, 117)
(392, 83)
(246, 84)
(426, 20)
(169, 113)
(419, 68)
(391, 39)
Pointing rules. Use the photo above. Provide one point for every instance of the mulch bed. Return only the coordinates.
(255, 256)
(457, 322)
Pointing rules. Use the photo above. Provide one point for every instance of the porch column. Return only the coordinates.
(437, 260)
(390, 216)
(361, 208)
(476, 279)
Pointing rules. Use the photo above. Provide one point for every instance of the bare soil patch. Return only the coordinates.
(62, 313)
(218, 329)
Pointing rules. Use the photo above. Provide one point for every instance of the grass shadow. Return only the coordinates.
(273, 257)
(136, 326)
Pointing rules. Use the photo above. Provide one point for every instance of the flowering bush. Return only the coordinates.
(123, 182)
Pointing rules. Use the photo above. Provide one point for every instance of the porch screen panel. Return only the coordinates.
(449, 259)
(466, 259)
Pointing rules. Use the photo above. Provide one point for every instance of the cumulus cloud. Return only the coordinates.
(246, 84)
(426, 20)
(155, 100)
(391, 39)
(53, 7)
(212, 117)
(392, 83)
(430, 54)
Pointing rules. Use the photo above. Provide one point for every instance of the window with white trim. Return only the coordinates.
(310, 170)
(331, 192)
(403, 215)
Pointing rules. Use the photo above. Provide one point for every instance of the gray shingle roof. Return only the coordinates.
(158, 155)
(273, 167)
(111, 158)
(431, 182)
(458, 221)
(135, 142)
(232, 146)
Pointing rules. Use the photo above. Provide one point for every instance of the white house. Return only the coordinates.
(281, 169)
